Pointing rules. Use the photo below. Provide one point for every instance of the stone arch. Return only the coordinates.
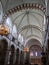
(23, 6)
(39, 48)
(33, 38)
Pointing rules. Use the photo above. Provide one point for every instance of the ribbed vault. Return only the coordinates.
(30, 23)
(29, 20)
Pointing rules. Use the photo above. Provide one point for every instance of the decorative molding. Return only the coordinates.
(24, 6)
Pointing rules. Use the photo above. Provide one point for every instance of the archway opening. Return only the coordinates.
(35, 49)
(35, 55)
(17, 56)
(21, 58)
(12, 49)
(3, 50)
(33, 41)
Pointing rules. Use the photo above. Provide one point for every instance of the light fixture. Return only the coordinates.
(4, 30)
(26, 49)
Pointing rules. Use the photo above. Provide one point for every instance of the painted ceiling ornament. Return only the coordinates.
(1, 12)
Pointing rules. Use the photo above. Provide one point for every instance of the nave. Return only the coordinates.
(12, 54)
(24, 32)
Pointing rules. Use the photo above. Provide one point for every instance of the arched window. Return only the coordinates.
(8, 22)
(20, 39)
(14, 31)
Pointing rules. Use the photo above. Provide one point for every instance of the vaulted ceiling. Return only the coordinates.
(29, 21)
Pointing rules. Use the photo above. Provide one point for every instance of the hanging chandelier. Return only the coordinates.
(4, 30)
